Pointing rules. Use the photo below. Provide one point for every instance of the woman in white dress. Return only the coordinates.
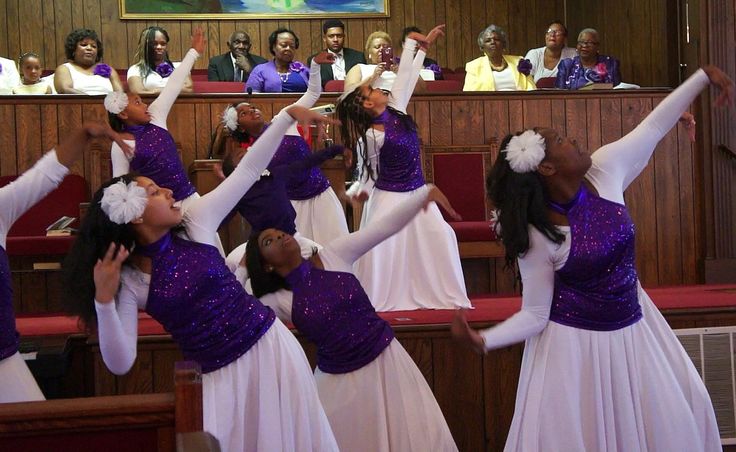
(403, 272)
(151, 73)
(546, 59)
(601, 368)
(258, 390)
(85, 73)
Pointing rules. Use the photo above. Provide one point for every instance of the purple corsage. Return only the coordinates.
(437, 71)
(103, 70)
(525, 66)
(296, 66)
(164, 69)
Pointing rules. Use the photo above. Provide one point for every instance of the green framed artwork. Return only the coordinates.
(250, 9)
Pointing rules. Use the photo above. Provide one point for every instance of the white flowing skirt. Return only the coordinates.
(321, 218)
(18, 384)
(385, 406)
(267, 400)
(417, 268)
(633, 389)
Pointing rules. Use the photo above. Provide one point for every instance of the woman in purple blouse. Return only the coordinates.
(282, 74)
(589, 66)
(601, 369)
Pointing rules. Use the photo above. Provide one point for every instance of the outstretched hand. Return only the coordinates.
(198, 40)
(98, 129)
(462, 332)
(347, 158)
(436, 195)
(723, 82)
(324, 57)
(107, 273)
(688, 122)
(306, 117)
(426, 41)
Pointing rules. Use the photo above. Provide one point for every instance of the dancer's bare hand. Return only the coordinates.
(688, 122)
(426, 41)
(324, 57)
(98, 129)
(199, 42)
(347, 158)
(462, 332)
(107, 273)
(436, 195)
(306, 117)
(723, 82)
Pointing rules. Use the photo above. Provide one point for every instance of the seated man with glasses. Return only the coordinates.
(546, 59)
(589, 66)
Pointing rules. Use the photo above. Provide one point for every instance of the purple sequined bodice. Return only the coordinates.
(332, 310)
(399, 160)
(199, 301)
(596, 289)
(307, 183)
(8, 334)
(156, 157)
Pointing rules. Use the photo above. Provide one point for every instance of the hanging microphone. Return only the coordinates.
(249, 90)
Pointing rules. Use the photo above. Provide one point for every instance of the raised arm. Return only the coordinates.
(349, 248)
(624, 159)
(312, 160)
(407, 75)
(160, 107)
(314, 87)
(119, 161)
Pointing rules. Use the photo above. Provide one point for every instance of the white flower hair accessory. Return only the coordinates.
(230, 118)
(123, 202)
(524, 152)
(116, 101)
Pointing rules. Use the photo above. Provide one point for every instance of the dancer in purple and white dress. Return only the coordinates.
(319, 214)
(402, 273)
(373, 393)
(601, 370)
(258, 391)
(18, 385)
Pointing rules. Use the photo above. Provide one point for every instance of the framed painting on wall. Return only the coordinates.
(251, 9)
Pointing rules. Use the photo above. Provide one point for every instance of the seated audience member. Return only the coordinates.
(31, 82)
(237, 64)
(282, 74)
(495, 71)
(546, 59)
(9, 77)
(376, 41)
(333, 35)
(432, 70)
(150, 74)
(85, 73)
(589, 66)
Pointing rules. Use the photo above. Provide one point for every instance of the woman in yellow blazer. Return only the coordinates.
(495, 71)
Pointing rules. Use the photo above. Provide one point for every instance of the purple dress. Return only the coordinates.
(156, 157)
(198, 300)
(399, 160)
(596, 289)
(572, 75)
(332, 310)
(305, 182)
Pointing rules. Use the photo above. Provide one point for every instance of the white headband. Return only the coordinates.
(116, 101)
(124, 203)
(525, 152)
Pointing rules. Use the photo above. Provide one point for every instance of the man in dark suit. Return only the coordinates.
(333, 35)
(234, 66)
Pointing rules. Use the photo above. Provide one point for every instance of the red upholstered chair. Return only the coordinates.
(335, 86)
(461, 176)
(199, 75)
(546, 82)
(27, 237)
(444, 86)
(458, 76)
(218, 87)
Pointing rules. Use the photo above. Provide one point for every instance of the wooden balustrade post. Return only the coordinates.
(188, 397)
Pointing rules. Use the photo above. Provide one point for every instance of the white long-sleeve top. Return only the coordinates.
(406, 79)
(159, 110)
(21, 194)
(118, 321)
(614, 167)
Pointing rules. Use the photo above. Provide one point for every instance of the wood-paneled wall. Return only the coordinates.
(662, 200)
(632, 30)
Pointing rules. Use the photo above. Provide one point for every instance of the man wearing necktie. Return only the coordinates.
(333, 35)
(235, 65)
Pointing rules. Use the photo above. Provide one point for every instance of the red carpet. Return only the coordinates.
(487, 309)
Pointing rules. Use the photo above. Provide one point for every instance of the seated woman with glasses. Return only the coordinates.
(589, 66)
(546, 59)
(496, 71)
